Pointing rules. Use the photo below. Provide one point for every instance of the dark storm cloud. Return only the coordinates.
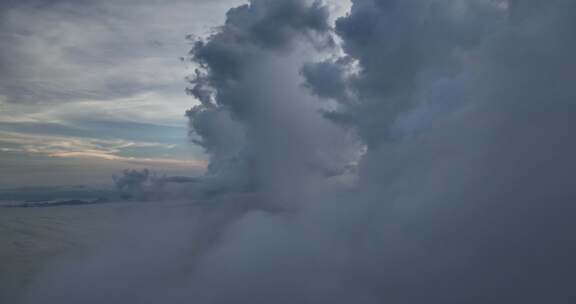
(476, 208)
(399, 47)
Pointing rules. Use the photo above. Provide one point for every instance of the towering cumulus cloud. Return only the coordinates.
(464, 190)
(425, 149)
(261, 130)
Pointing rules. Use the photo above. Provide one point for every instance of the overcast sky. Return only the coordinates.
(90, 87)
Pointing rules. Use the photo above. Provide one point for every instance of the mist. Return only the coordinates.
(407, 152)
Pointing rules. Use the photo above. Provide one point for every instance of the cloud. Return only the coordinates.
(70, 147)
(475, 206)
(250, 90)
(394, 52)
(144, 185)
(60, 51)
(101, 70)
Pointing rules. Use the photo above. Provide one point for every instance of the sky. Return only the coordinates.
(88, 88)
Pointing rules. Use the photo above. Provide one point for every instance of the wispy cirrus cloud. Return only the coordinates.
(98, 80)
(60, 146)
(64, 51)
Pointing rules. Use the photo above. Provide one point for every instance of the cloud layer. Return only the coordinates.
(106, 70)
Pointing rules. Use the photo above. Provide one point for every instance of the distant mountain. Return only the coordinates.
(42, 204)
(133, 185)
(44, 194)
